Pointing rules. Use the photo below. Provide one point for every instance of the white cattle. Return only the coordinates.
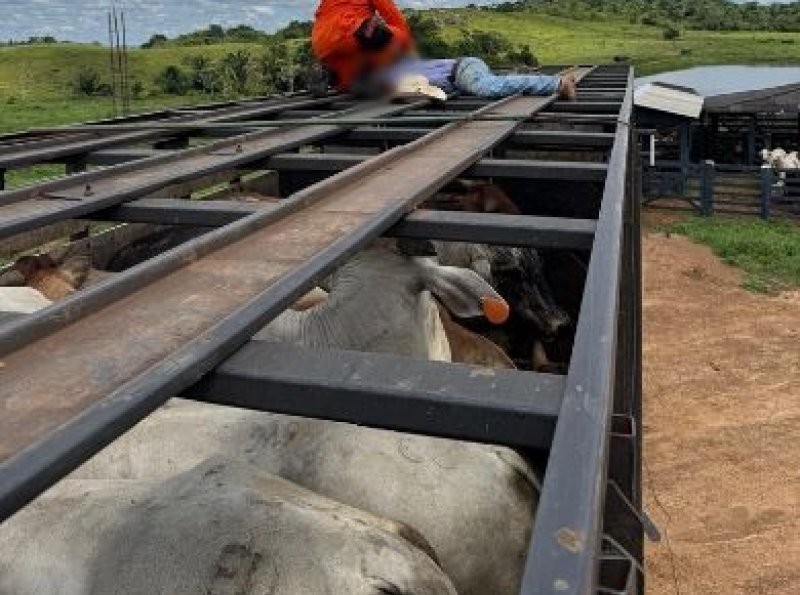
(473, 503)
(381, 301)
(16, 302)
(221, 528)
(780, 160)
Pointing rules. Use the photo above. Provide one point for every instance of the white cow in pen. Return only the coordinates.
(159, 518)
(780, 160)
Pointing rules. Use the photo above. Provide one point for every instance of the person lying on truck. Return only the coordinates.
(354, 37)
(467, 75)
(367, 46)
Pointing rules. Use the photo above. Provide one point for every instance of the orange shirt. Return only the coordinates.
(334, 42)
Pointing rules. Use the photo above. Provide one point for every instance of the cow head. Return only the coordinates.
(519, 276)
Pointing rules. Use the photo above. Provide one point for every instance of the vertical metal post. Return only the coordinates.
(119, 62)
(126, 99)
(707, 188)
(750, 157)
(653, 150)
(113, 70)
(683, 146)
(2, 179)
(766, 190)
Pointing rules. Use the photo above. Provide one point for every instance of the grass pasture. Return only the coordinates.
(769, 253)
(557, 40)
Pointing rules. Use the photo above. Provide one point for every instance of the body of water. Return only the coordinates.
(718, 80)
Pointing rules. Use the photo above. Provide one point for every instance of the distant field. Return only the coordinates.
(36, 82)
(556, 40)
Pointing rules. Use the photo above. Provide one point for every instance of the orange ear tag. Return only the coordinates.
(496, 310)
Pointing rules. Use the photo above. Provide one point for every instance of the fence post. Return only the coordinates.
(766, 190)
(707, 188)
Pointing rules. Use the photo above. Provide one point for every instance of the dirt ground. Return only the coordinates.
(722, 427)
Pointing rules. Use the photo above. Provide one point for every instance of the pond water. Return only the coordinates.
(717, 80)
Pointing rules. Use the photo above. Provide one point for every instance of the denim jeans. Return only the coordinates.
(473, 76)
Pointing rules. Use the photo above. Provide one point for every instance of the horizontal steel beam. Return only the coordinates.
(524, 138)
(590, 106)
(488, 168)
(517, 409)
(456, 226)
(494, 229)
(372, 134)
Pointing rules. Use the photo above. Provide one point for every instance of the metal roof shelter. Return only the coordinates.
(92, 366)
(781, 99)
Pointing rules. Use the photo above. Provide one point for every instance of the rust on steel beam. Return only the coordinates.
(66, 198)
(80, 373)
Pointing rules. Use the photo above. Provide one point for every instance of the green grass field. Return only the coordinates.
(769, 253)
(36, 82)
(558, 41)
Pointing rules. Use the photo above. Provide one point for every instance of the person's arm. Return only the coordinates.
(395, 19)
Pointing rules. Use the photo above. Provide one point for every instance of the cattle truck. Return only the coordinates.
(100, 361)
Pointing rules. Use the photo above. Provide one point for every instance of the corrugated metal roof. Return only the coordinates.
(682, 102)
(785, 98)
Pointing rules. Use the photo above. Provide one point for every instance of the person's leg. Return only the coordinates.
(473, 76)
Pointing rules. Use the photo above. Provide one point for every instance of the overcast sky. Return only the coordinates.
(85, 20)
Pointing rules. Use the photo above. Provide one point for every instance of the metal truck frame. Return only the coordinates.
(94, 365)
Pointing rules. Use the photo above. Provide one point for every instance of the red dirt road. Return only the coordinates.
(722, 427)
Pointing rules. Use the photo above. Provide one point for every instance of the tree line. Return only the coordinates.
(709, 15)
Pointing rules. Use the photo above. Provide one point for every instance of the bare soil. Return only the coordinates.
(722, 427)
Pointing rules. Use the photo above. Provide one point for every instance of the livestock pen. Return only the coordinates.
(347, 172)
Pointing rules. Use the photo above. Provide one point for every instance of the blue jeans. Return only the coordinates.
(473, 76)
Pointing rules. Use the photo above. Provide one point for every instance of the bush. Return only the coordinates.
(523, 56)
(157, 40)
(137, 89)
(88, 83)
(204, 76)
(173, 81)
(483, 44)
(236, 67)
(671, 33)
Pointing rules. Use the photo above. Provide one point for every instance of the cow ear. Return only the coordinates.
(462, 291)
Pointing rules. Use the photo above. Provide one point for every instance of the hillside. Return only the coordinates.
(558, 40)
(37, 82)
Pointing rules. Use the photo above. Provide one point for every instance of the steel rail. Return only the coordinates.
(75, 142)
(208, 108)
(567, 535)
(125, 357)
(75, 196)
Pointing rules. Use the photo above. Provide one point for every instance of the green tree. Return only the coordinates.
(173, 81)
(236, 66)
